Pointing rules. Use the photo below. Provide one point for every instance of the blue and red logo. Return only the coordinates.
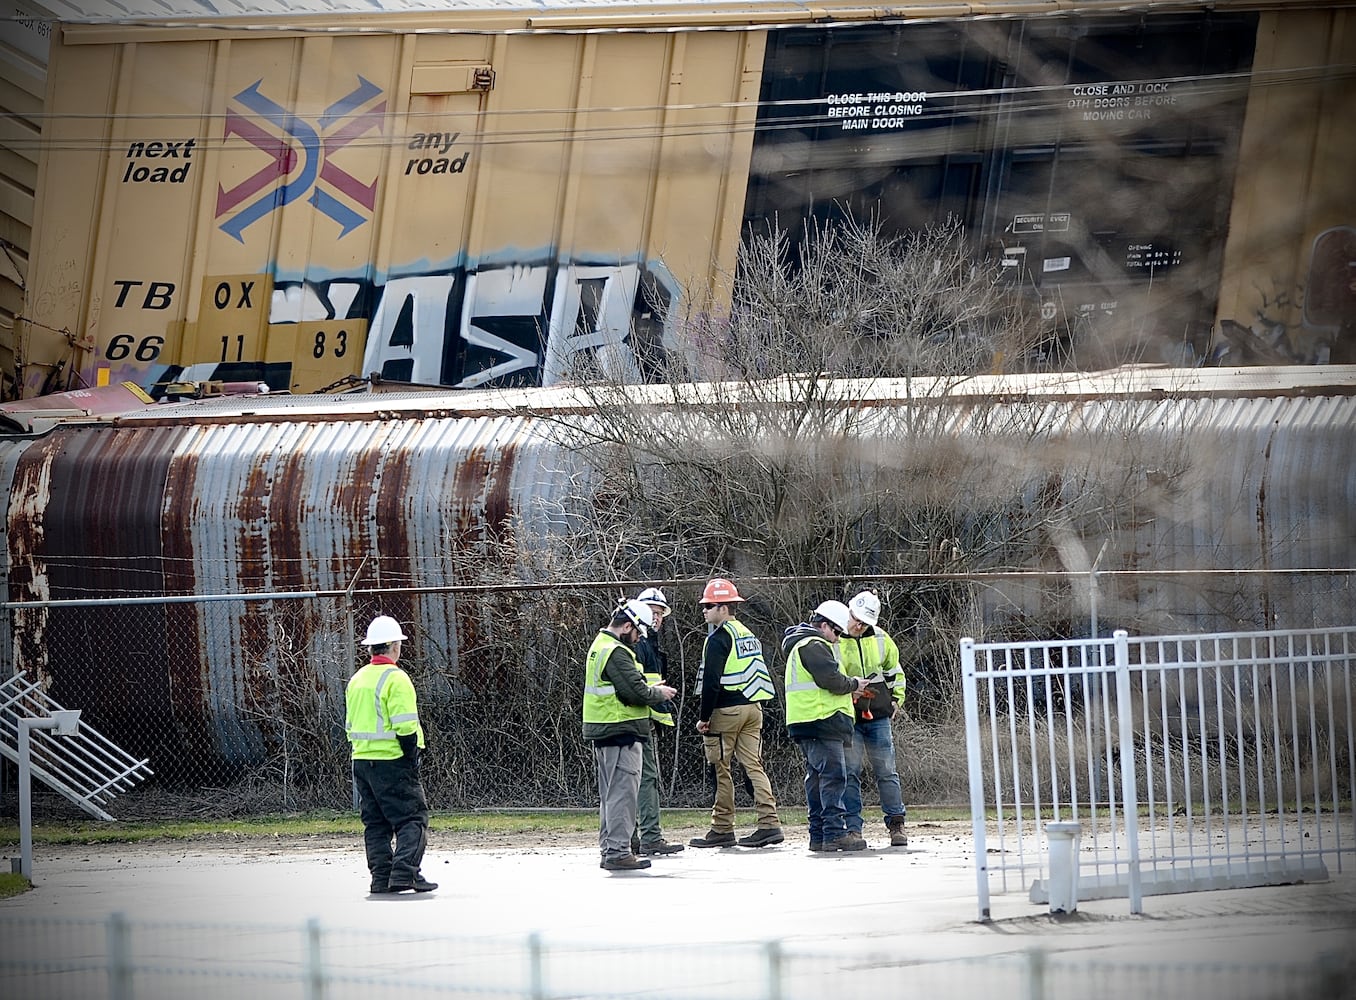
(301, 158)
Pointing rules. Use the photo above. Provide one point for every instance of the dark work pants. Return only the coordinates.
(392, 805)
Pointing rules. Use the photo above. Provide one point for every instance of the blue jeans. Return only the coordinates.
(825, 781)
(874, 742)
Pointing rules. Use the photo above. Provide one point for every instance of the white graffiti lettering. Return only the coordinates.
(516, 325)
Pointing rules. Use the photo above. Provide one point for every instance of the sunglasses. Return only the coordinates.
(708, 607)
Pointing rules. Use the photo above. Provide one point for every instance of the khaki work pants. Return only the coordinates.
(737, 732)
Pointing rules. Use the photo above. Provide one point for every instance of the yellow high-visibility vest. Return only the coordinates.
(601, 703)
(745, 669)
(806, 701)
(380, 705)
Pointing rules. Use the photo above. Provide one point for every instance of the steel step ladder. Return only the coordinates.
(87, 768)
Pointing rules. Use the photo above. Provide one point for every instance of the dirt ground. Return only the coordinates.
(489, 840)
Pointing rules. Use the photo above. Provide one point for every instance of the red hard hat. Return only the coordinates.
(720, 591)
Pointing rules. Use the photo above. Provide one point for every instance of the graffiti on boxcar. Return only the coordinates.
(498, 326)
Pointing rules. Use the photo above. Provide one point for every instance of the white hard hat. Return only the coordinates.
(865, 607)
(835, 612)
(638, 614)
(655, 596)
(383, 629)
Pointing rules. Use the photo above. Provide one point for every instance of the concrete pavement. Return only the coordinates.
(915, 904)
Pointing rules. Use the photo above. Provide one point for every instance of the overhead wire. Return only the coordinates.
(974, 105)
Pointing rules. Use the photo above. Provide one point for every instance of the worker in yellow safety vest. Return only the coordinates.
(734, 683)
(819, 720)
(649, 837)
(616, 708)
(382, 722)
(867, 650)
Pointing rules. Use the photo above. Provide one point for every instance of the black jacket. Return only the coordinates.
(653, 660)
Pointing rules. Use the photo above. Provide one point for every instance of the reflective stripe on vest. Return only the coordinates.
(806, 701)
(857, 662)
(382, 732)
(865, 670)
(745, 669)
(601, 703)
(663, 718)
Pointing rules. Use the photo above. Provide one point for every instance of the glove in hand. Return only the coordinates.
(409, 748)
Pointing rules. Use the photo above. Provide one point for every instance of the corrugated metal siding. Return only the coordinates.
(1152, 382)
(11, 452)
(110, 12)
(76, 534)
(113, 11)
(133, 11)
(213, 505)
(223, 508)
(23, 83)
(1293, 496)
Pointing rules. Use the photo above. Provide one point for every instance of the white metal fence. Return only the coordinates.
(1188, 762)
(86, 767)
(120, 959)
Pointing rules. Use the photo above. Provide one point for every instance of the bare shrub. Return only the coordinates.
(850, 301)
(794, 475)
(295, 700)
(929, 757)
(795, 472)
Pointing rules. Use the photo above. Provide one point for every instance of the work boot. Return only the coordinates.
(660, 846)
(764, 836)
(419, 884)
(847, 842)
(379, 890)
(897, 836)
(816, 845)
(714, 838)
(624, 863)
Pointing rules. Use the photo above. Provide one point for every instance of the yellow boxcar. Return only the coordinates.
(473, 196)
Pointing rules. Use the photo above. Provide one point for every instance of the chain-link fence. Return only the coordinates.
(238, 701)
(122, 959)
(247, 695)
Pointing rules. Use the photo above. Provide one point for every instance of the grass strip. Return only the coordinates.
(331, 823)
